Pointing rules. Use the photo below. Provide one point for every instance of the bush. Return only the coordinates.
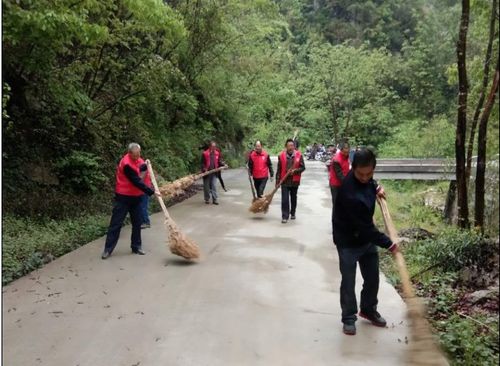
(28, 244)
(80, 172)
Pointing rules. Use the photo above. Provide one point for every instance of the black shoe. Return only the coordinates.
(207, 202)
(215, 202)
(284, 221)
(375, 318)
(105, 255)
(138, 251)
(292, 217)
(349, 328)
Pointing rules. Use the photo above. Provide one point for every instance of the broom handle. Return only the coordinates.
(155, 185)
(281, 182)
(400, 261)
(251, 184)
(201, 175)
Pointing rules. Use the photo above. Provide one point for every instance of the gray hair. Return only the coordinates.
(133, 146)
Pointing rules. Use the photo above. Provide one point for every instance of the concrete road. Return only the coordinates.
(263, 294)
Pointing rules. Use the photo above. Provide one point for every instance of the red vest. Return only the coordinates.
(123, 184)
(260, 168)
(147, 178)
(344, 166)
(206, 155)
(296, 164)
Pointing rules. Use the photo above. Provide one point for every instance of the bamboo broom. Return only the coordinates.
(423, 350)
(178, 243)
(178, 187)
(262, 204)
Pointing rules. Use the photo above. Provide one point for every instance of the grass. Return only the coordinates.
(436, 265)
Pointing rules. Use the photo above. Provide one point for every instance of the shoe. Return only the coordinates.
(284, 221)
(105, 255)
(207, 202)
(145, 226)
(292, 217)
(215, 202)
(375, 318)
(349, 328)
(138, 251)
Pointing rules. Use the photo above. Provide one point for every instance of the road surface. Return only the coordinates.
(264, 293)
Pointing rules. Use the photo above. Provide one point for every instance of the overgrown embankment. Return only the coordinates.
(455, 271)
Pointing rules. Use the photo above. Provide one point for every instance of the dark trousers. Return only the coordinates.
(144, 209)
(367, 256)
(288, 195)
(334, 191)
(260, 185)
(210, 187)
(122, 206)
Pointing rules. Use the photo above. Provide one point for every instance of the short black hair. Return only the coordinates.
(343, 145)
(364, 157)
(289, 140)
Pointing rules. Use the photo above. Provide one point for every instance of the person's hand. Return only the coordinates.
(394, 248)
(381, 192)
(157, 193)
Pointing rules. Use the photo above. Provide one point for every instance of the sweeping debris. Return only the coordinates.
(179, 186)
(262, 204)
(178, 243)
(423, 350)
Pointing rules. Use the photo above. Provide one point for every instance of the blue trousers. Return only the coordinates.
(144, 209)
(121, 206)
(367, 256)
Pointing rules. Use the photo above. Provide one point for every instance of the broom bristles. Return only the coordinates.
(180, 244)
(261, 204)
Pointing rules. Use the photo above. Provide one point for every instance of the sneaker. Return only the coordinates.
(375, 318)
(138, 251)
(145, 226)
(349, 328)
(207, 202)
(215, 202)
(292, 217)
(284, 221)
(105, 255)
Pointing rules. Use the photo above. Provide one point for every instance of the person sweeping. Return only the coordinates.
(211, 159)
(292, 160)
(129, 190)
(357, 239)
(260, 168)
(338, 169)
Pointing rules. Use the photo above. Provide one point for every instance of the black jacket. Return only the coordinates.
(354, 208)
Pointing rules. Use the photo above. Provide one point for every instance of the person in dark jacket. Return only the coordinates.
(357, 239)
(289, 159)
(128, 192)
(260, 168)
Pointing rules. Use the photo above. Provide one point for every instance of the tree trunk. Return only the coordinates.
(450, 202)
(481, 153)
(463, 206)
(482, 97)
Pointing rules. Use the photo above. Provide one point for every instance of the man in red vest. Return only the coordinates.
(211, 158)
(128, 192)
(260, 168)
(289, 159)
(339, 168)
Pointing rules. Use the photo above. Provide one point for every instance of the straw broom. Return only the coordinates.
(423, 350)
(178, 187)
(262, 204)
(178, 243)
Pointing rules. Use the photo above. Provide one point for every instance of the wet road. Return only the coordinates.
(264, 293)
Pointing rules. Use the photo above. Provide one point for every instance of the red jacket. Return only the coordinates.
(296, 165)
(260, 167)
(123, 185)
(343, 161)
(206, 159)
